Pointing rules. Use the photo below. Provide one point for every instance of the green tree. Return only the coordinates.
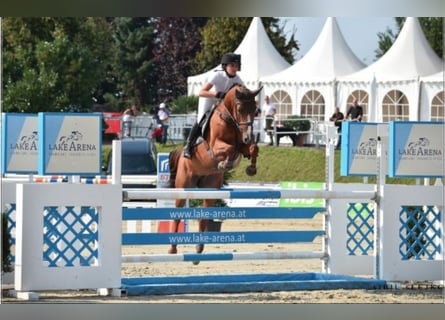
(53, 64)
(224, 34)
(183, 104)
(276, 33)
(432, 28)
(177, 42)
(134, 65)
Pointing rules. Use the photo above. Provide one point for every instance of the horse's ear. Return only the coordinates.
(257, 91)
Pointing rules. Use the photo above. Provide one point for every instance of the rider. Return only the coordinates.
(221, 81)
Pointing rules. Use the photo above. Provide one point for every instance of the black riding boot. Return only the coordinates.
(193, 135)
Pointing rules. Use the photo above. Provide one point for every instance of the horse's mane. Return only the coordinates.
(236, 84)
(241, 88)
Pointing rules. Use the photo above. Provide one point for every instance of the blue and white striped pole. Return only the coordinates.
(179, 193)
(186, 257)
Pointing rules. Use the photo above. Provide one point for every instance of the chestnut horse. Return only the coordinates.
(228, 137)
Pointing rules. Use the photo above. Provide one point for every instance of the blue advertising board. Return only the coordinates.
(163, 170)
(416, 149)
(19, 143)
(70, 143)
(358, 149)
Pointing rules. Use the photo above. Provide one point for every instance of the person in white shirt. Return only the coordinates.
(127, 119)
(214, 90)
(163, 115)
(269, 112)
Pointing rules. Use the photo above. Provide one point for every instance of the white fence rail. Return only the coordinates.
(180, 124)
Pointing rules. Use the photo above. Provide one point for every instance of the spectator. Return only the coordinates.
(355, 111)
(269, 112)
(157, 133)
(337, 117)
(164, 115)
(128, 118)
(256, 123)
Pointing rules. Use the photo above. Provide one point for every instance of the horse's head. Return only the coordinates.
(240, 102)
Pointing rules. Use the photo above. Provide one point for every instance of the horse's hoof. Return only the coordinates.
(172, 251)
(199, 248)
(251, 170)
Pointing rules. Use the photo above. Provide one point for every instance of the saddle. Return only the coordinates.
(204, 124)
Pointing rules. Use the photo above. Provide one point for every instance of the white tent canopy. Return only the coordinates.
(431, 87)
(259, 57)
(434, 78)
(328, 58)
(409, 58)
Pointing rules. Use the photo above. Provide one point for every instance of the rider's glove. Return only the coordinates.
(220, 95)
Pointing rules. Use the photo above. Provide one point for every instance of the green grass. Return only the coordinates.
(276, 164)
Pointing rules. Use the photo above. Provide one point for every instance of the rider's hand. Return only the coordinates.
(220, 95)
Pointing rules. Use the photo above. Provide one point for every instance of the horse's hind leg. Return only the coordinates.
(174, 227)
(200, 246)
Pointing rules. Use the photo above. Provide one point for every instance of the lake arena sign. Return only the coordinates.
(416, 149)
(19, 143)
(70, 144)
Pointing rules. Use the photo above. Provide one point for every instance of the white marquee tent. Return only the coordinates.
(409, 58)
(328, 58)
(259, 57)
(331, 69)
(432, 91)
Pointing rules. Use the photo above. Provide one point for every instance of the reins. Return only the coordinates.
(227, 116)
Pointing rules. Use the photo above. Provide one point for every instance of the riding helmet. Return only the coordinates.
(231, 58)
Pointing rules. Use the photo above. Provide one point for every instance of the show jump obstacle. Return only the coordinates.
(64, 233)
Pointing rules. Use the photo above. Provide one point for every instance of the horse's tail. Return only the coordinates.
(173, 159)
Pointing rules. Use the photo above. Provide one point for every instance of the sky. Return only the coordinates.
(360, 33)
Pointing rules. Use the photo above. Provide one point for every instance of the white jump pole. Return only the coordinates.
(382, 148)
(332, 136)
(222, 256)
(181, 193)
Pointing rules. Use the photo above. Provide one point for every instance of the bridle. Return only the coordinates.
(228, 117)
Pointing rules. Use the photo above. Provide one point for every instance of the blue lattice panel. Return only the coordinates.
(420, 233)
(70, 236)
(67, 236)
(411, 238)
(351, 230)
(10, 215)
(360, 229)
(8, 205)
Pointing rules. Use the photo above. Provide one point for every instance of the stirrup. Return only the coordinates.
(187, 153)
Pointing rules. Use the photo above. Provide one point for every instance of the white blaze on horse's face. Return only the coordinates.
(245, 113)
(250, 136)
(245, 120)
(249, 130)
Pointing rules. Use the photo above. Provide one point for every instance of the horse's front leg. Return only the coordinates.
(174, 226)
(253, 154)
(202, 225)
(223, 155)
(225, 165)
